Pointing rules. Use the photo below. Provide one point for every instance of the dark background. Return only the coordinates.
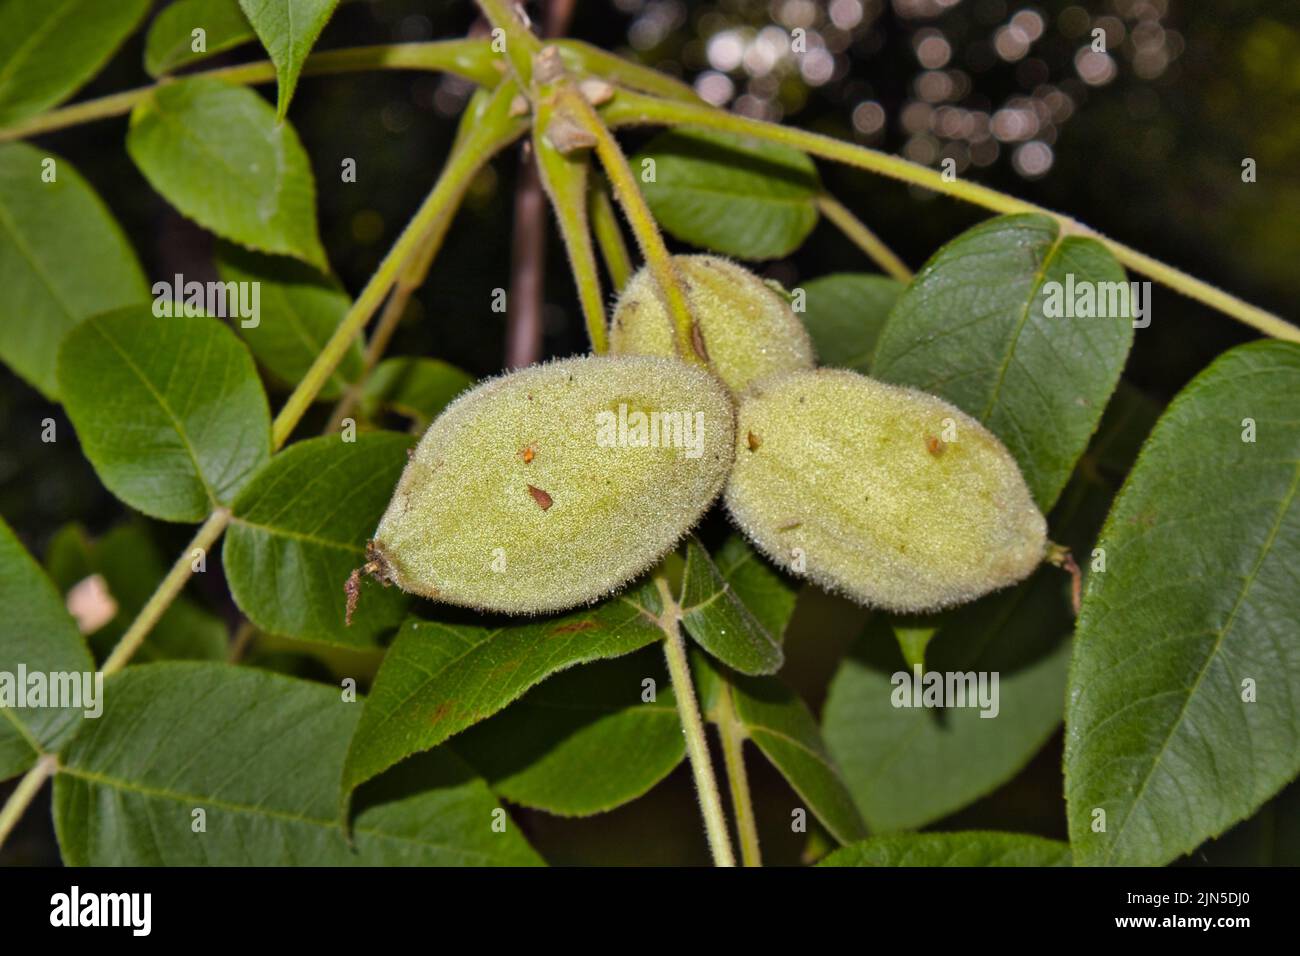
(1152, 157)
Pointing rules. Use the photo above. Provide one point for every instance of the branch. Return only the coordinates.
(416, 270)
(25, 793)
(527, 267)
(862, 237)
(528, 251)
(583, 58)
(563, 165)
(565, 179)
(697, 746)
(494, 132)
(609, 236)
(471, 59)
(630, 108)
(639, 217)
(166, 592)
(521, 44)
(733, 754)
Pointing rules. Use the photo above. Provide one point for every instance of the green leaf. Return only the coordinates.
(734, 195)
(62, 258)
(170, 43)
(169, 411)
(418, 388)
(1199, 596)
(845, 314)
(300, 528)
(971, 329)
(439, 677)
(217, 153)
(260, 755)
(969, 848)
(38, 634)
(131, 566)
(783, 728)
(908, 767)
(770, 714)
(49, 48)
(768, 596)
(715, 617)
(300, 309)
(288, 29)
(583, 742)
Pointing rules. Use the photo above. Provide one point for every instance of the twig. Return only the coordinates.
(631, 108)
(609, 236)
(733, 756)
(862, 237)
(24, 793)
(166, 592)
(471, 59)
(697, 746)
(527, 267)
(491, 136)
(689, 344)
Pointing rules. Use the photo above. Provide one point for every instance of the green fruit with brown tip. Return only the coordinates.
(747, 329)
(553, 486)
(885, 494)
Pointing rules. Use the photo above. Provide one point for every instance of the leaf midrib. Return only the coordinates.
(432, 676)
(37, 267)
(166, 407)
(1039, 275)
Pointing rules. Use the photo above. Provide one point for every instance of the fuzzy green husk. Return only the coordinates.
(748, 329)
(853, 475)
(510, 503)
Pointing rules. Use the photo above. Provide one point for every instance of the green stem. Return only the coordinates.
(697, 746)
(631, 108)
(471, 59)
(25, 793)
(644, 228)
(613, 249)
(521, 44)
(496, 131)
(565, 180)
(862, 237)
(166, 592)
(408, 281)
(583, 58)
(733, 756)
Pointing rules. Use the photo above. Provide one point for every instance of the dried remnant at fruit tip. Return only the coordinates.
(549, 487)
(1061, 556)
(744, 329)
(886, 494)
(352, 591)
(376, 566)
